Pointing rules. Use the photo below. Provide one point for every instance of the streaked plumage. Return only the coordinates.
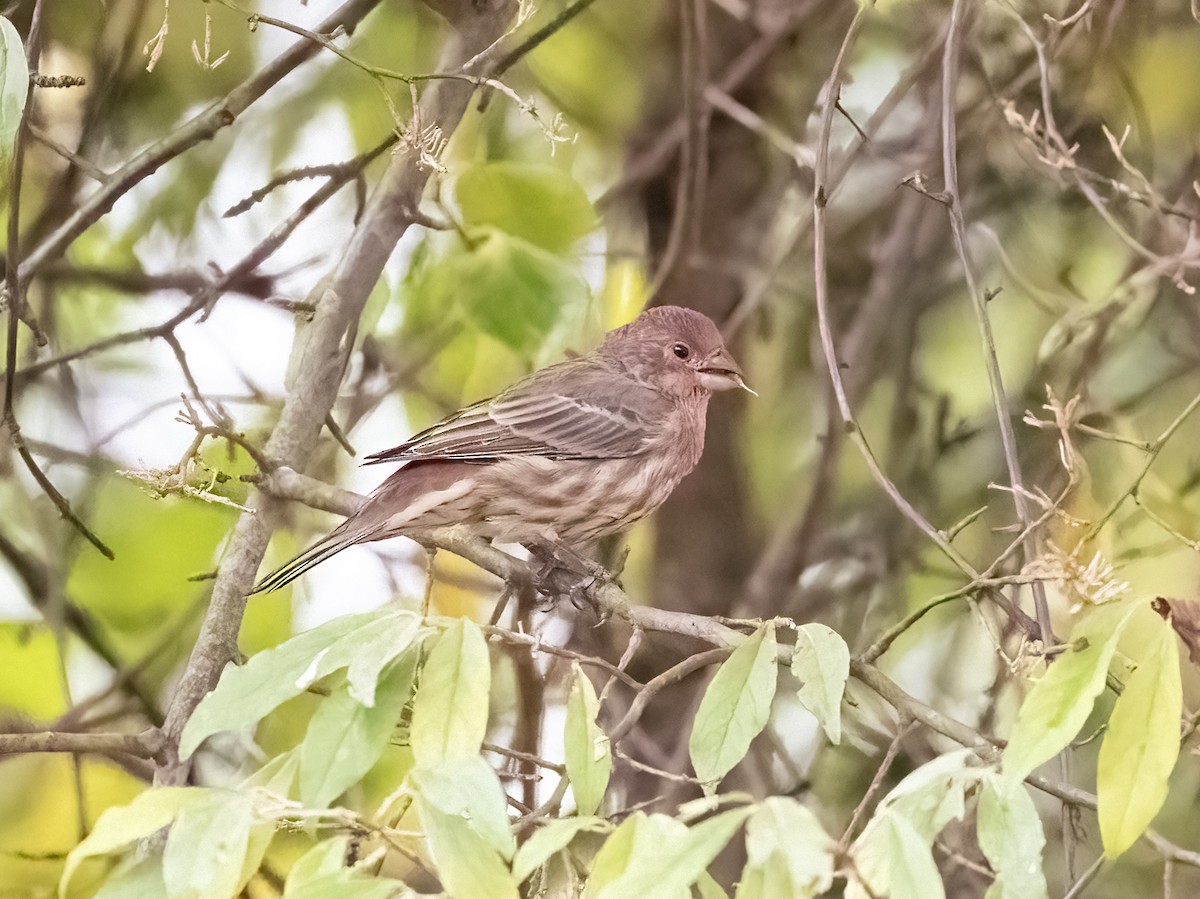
(574, 452)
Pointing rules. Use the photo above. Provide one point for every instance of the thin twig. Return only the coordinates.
(324, 346)
(1152, 455)
(199, 129)
(821, 286)
(876, 782)
(692, 153)
(1085, 879)
(15, 284)
(1008, 440)
(211, 291)
(535, 40)
(635, 643)
(672, 675)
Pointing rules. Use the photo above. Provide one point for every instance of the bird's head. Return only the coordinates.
(676, 349)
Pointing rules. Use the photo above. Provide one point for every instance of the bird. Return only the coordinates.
(574, 452)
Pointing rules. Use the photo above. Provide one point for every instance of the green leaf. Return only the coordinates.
(613, 857)
(664, 857)
(508, 288)
(893, 851)
(394, 634)
(468, 866)
(470, 790)
(277, 776)
(821, 662)
(1062, 699)
(539, 203)
(14, 88)
(708, 888)
(893, 860)
(321, 873)
(735, 708)
(1141, 745)
(121, 826)
(245, 694)
(769, 879)
(553, 837)
(587, 752)
(1010, 835)
(207, 846)
(345, 739)
(134, 878)
(783, 830)
(932, 796)
(348, 884)
(326, 857)
(516, 291)
(262, 832)
(450, 712)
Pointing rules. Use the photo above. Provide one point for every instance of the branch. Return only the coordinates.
(1152, 454)
(15, 282)
(211, 290)
(324, 345)
(655, 157)
(531, 43)
(613, 601)
(19, 272)
(989, 752)
(821, 285)
(958, 228)
(671, 676)
(149, 744)
(37, 580)
(197, 130)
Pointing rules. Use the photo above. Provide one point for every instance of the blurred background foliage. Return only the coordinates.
(635, 164)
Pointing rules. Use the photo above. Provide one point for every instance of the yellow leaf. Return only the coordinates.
(1061, 701)
(1141, 745)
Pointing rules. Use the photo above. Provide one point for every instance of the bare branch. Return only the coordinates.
(958, 228)
(327, 341)
(196, 131)
(148, 744)
(820, 276)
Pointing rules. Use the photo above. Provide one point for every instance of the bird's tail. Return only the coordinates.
(400, 501)
(327, 546)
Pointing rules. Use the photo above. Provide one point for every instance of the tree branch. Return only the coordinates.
(612, 601)
(149, 744)
(325, 345)
(201, 128)
(979, 302)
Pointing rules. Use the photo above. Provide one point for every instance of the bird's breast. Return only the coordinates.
(581, 500)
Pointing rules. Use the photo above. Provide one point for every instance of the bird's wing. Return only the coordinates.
(579, 409)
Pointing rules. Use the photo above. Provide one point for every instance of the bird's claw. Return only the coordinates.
(583, 595)
(553, 580)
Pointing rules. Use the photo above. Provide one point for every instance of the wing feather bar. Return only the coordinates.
(531, 424)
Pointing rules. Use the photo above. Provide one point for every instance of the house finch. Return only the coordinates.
(574, 452)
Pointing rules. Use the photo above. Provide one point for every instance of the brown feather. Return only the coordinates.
(570, 454)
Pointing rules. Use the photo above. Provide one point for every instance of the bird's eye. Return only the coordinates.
(681, 350)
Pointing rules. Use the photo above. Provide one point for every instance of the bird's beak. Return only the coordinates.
(720, 372)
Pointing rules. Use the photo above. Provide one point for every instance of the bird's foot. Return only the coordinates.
(563, 572)
(585, 594)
